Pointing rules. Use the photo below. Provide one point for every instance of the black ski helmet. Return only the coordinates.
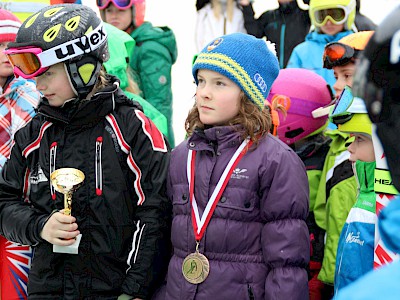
(377, 81)
(77, 37)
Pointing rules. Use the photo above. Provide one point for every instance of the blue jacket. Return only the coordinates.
(382, 283)
(308, 55)
(355, 254)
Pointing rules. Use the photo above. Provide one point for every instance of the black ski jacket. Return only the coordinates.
(121, 208)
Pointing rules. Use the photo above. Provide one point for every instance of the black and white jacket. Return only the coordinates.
(121, 208)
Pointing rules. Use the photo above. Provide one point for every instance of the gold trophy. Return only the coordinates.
(67, 181)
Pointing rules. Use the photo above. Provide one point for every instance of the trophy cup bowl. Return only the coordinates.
(66, 181)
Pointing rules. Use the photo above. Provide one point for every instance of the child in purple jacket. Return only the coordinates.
(240, 195)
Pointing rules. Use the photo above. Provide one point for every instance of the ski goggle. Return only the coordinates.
(338, 54)
(27, 62)
(120, 4)
(32, 61)
(340, 113)
(337, 15)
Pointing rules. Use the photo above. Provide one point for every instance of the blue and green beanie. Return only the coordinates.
(246, 60)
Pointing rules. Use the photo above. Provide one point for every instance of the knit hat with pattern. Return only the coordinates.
(9, 25)
(249, 62)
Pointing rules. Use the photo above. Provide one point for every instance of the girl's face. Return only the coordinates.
(331, 28)
(362, 148)
(55, 86)
(217, 98)
(122, 19)
(344, 76)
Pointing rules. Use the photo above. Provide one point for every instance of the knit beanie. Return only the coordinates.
(249, 62)
(9, 25)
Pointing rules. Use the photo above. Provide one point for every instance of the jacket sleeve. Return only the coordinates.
(285, 237)
(148, 160)
(200, 37)
(155, 68)
(340, 200)
(19, 222)
(251, 24)
(154, 71)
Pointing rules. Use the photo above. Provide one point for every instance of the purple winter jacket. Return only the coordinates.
(257, 241)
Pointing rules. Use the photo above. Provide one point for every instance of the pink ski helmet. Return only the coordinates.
(307, 91)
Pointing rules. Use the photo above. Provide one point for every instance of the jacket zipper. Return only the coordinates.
(250, 292)
(98, 167)
(53, 154)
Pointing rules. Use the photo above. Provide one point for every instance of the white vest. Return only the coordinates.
(208, 27)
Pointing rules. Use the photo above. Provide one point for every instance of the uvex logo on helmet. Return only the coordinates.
(260, 82)
(84, 44)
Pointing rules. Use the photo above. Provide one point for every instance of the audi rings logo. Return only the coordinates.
(260, 82)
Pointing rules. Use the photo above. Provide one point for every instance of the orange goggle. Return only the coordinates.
(338, 54)
(32, 61)
(26, 61)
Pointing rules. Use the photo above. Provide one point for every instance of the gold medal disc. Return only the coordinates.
(195, 268)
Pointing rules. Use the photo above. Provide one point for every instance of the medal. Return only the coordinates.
(195, 267)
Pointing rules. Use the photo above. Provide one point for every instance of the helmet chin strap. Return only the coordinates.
(83, 75)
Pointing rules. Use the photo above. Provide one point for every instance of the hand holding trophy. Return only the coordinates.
(67, 181)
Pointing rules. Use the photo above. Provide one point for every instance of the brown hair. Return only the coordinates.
(256, 123)
(217, 9)
(132, 87)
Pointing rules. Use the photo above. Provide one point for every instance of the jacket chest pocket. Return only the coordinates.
(239, 199)
(180, 199)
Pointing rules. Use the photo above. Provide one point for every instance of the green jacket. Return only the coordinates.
(151, 62)
(119, 45)
(313, 153)
(336, 196)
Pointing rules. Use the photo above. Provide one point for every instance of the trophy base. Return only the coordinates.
(72, 249)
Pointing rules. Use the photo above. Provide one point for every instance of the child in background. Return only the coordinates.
(84, 122)
(18, 100)
(240, 196)
(376, 81)
(331, 20)
(355, 254)
(120, 44)
(286, 26)
(341, 56)
(155, 53)
(305, 91)
(219, 17)
(337, 194)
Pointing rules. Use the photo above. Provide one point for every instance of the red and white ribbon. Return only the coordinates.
(200, 224)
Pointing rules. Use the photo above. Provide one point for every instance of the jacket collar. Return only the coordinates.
(86, 112)
(215, 137)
